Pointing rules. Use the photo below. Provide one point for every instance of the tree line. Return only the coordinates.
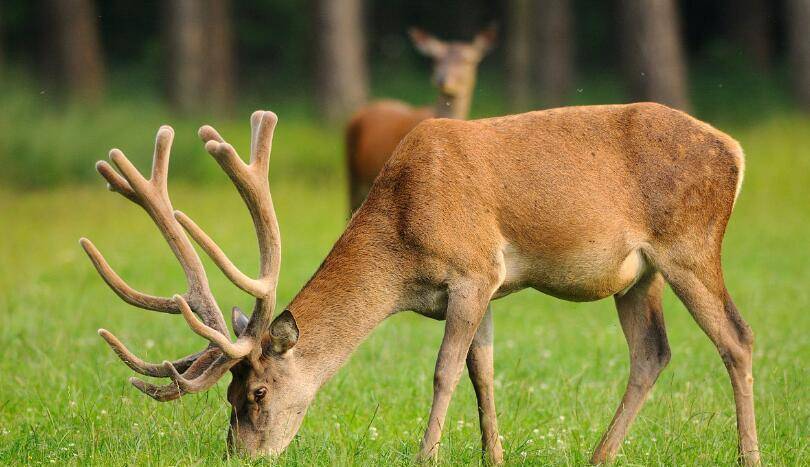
(541, 43)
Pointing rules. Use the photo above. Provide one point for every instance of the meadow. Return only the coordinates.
(560, 367)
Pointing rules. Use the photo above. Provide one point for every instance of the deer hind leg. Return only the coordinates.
(466, 307)
(481, 368)
(703, 292)
(642, 321)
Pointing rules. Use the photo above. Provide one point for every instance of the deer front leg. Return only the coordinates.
(482, 372)
(466, 307)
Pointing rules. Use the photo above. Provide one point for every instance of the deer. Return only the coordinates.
(374, 130)
(580, 203)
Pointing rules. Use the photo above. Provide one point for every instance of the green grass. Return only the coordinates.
(560, 367)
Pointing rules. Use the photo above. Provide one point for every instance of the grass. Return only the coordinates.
(560, 367)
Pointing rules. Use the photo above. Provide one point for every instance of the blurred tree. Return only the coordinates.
(75, 36)
(798, 18)
(555, 51)
(185, 53)
(341, 69)
(518, 54)
(200, 55)
(220, 77)
(653, 58)
(2, 42)
(749, 27)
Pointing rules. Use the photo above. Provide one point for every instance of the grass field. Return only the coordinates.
(560, 367)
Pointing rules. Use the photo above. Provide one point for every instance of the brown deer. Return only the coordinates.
(581, 203)
(375, 130)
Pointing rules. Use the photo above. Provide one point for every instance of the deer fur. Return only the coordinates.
(375, 129)
(581, 203)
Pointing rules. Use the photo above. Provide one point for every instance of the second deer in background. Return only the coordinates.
(375, 130)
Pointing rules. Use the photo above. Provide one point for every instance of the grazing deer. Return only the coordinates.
(581, 203)
(375, 130)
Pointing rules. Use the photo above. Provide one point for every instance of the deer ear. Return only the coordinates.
(283, 332)
(426, 43)
(239, 321)
(484, 41)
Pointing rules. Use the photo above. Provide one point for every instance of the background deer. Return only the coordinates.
(375, 130)
(581, 203)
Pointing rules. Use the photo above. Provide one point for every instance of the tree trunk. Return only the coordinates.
(185, 34)
(799, 38)
(518, 54)
(652, 52)
(80, 65)
(749, 28)
(2, 43)
(342, 72)
(555, 49)
(220, 77)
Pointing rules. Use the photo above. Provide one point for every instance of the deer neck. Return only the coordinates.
(356, 288)
(456, 106)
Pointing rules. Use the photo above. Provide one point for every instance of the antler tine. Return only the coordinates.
(166, 393)
(257, 288)
(263, 125)
(208, 133)
(124, 290)
(146, 368)
(205, 380)
(233, 350)
(116, 182)
(136, 181)
(160, 158)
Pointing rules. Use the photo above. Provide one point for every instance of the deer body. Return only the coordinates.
(375, 130)
(559, 200)
(581, 203)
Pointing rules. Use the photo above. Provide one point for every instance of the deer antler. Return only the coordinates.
(251, 182)
(199, 371)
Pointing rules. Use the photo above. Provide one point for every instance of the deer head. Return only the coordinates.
(267, 393)
(454, 63)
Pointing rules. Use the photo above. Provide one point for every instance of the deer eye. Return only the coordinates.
(259, 394)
